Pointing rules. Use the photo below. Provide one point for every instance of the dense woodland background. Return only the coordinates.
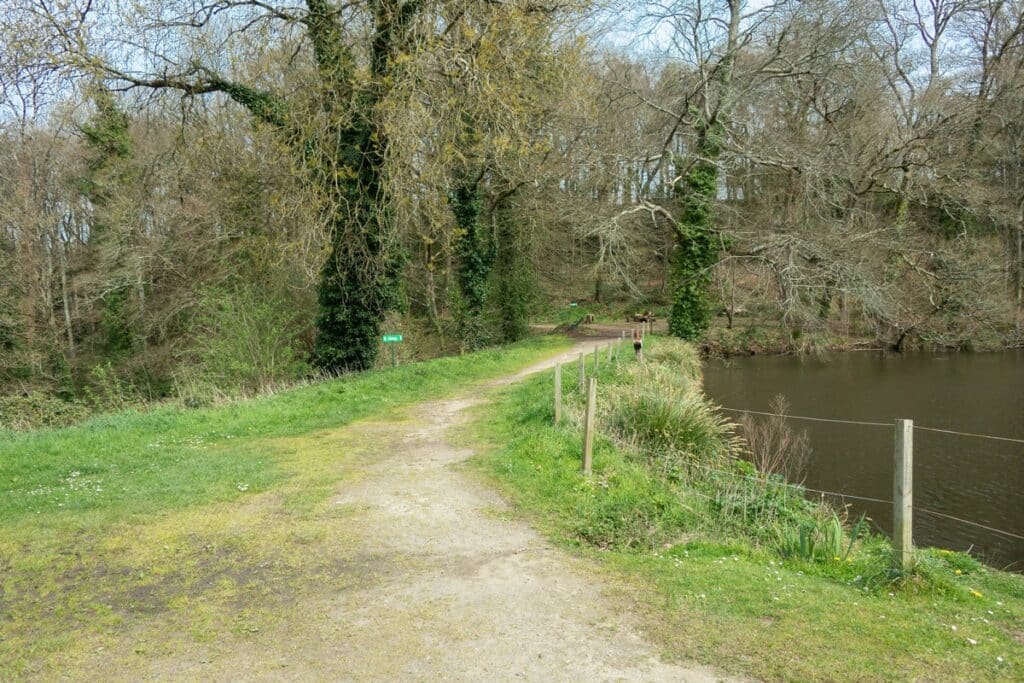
(215, 197)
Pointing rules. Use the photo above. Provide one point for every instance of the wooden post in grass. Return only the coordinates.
(597, 360)
(903, 494)
(558, 393)
(583, 374)
(588, 427)
(610, 353)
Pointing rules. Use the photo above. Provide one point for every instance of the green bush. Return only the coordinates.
(241, 343)
(36, 409)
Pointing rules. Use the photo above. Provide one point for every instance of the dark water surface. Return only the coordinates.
(975, 479)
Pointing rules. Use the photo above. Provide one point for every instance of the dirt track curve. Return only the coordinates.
(456, 589)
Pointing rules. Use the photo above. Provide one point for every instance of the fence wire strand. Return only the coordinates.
(871, 424)
(918, 508)
(978, 436)
(810, 419)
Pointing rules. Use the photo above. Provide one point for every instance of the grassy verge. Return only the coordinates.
(730, 567)
(201, 523)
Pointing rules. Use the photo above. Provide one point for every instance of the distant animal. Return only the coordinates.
(645, 317)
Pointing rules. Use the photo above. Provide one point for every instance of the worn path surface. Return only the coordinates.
(453, 589)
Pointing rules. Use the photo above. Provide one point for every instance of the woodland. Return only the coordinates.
(203, 198)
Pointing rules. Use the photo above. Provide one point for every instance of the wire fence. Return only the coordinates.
(843, 495)
(918, 508)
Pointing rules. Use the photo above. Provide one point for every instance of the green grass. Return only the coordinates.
(195, 515)
(134, 462)
(712, 576)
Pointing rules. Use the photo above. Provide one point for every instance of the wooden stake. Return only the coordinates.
(610, 353)
(588, 427)
(903, 494)
(597, 360)
(583, 374)
(558, 393)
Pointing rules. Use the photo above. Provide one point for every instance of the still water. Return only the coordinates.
(975, 479)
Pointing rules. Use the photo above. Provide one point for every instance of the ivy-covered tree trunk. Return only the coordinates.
(513, 280)
(108, 153)
(358, 280)
(698, 245)
(475, 251)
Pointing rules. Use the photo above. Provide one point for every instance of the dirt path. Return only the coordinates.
(455, 590)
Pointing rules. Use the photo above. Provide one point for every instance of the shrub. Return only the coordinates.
(773, 447)
(241, 343)
(35, 409)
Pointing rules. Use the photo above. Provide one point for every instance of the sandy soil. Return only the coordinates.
(456, 590)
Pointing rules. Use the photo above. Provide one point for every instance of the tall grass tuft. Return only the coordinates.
(676, 426)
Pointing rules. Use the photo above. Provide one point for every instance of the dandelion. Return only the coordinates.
(957, 571)
(976, 594)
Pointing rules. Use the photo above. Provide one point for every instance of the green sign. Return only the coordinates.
(391, 338)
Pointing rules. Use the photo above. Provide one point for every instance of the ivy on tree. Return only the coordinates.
(698, 246)
(475, 251)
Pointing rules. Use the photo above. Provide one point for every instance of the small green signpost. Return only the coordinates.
(392, 339)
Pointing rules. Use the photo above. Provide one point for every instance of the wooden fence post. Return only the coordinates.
(903, 494)
(610, 353)
(558, 393)
(596, 360)
(588, 427)
(583, 374)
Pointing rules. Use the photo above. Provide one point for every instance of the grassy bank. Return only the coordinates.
(194, 524)
(732, 567)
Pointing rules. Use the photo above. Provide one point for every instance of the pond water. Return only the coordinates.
(975, 479)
